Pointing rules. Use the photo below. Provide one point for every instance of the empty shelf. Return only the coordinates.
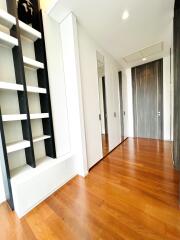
(22, 173)
(8, 41)
(13, 147)
(11, 86)
(6, 19)
(29, 32)
(40, 138)
(14, 117)
(36, 89)
(31, 63)
(39, 115)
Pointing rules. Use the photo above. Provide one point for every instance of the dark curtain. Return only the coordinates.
(176, 144)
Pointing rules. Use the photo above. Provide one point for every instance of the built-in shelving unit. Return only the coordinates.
(22, 91)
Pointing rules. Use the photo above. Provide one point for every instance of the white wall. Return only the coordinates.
(57, 86)
(70, 53)
(167, 98)
(89, 76)
(128, 103)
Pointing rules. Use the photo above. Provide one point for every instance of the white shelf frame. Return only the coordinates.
(11, 86)
(7, 41)
(14, 117)
(6, 19)
(41, 138)
(39, 115)
(29, 32)
(32, 89)
(16, 146)
(33, 64)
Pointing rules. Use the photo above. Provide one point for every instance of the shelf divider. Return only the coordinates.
(31, 63)
(32, 89)
(6, 19)
(40, 138)
(14, 117)
(13, 147)
(39, 116)
(28, 31)
(7, 41)
(11, 86)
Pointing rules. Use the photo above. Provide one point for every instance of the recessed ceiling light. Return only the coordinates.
(144, 59)
(125, 15)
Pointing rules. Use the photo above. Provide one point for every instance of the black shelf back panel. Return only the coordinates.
(43, 81)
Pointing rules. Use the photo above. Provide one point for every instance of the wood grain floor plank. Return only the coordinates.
(132, 194)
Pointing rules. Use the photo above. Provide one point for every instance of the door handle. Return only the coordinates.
(158, 114)
(115, 114)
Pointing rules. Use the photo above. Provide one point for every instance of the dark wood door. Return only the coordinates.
(176, 37)
(147, 84)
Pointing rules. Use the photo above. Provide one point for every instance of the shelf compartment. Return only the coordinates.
(29, 32)
(36, 90)
(39, 115)
(31, 63)
(6, 19)
(14, 117)
(11, 86)
(25, 172)
(16, 146)
(7, 41)
(41, 138)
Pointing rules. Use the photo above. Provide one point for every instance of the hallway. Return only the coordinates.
(131, 194)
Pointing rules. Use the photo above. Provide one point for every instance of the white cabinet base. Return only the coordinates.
(32, 188)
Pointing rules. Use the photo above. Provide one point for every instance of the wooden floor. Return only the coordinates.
(131, 194)
(105, 144)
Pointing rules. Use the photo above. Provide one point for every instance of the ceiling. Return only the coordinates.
(149, 23)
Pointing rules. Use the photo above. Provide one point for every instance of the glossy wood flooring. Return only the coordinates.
(105, 145)
(132, 194)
